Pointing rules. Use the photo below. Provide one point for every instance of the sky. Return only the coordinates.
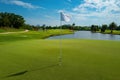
(82, 12)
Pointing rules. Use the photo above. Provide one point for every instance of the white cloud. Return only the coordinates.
(98, 11)
(98, 6)
(21, 3)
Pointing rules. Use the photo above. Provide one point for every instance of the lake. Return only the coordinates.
(87, 35)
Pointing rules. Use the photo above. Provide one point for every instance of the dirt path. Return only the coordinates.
(14, 32)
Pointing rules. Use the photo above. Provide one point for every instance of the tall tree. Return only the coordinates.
(94, 28)
(11, 20)
(112, 26)
(104, 27)
(73, 26)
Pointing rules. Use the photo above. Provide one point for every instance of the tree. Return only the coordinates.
(44, 27)
(104, 27)
(11, 20)
(66, 26)
(118, 28)
(94, 28)
(112, 26)
(73, 26)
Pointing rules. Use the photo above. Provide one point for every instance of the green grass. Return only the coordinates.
(114, 32)
(31, 35)
(2, 30)
(109, 32)
(82, 60)
(6, 29)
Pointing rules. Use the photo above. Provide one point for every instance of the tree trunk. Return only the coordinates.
(111, 31)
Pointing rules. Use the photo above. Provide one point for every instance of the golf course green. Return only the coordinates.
(33, 58)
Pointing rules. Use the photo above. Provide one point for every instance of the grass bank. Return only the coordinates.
(82, 60)
(32, 35)
(115, 32)
(6, 29)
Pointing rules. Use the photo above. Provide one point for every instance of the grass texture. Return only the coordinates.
(81, 60)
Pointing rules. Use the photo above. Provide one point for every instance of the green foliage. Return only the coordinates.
(118, 28)
(112, 26)
(73, 24)
(94, 28)
(107, 29)
(11, 20)
(86, 28)
(66, 26)
(104, 27)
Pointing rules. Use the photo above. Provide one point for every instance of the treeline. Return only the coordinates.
(66, 26)
(112, 26)
(11, 20)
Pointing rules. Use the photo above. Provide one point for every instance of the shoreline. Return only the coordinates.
(26, 35)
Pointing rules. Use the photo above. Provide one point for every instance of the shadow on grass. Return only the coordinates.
(17, 74)
(26, 71)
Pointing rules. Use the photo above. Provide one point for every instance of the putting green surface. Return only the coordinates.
(81, 60)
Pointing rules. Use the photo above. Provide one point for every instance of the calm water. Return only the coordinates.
(87, 35)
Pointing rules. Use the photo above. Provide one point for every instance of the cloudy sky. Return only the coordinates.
(82, 12)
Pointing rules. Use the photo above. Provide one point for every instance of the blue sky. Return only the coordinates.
(82, 12)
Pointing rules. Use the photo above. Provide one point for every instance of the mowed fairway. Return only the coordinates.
(82, 60)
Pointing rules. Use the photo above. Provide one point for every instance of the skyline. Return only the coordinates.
(82, 12)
